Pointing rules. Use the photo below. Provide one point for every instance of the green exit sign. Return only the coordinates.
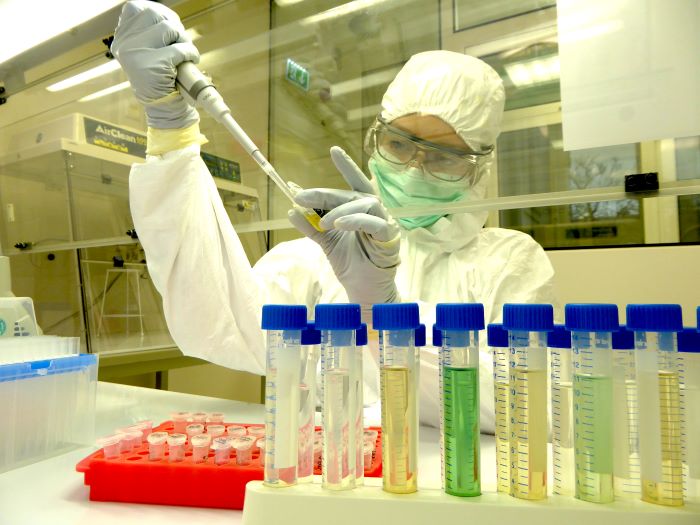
(297, 74)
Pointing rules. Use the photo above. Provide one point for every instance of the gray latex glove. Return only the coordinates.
(149, 43)
(362, 240)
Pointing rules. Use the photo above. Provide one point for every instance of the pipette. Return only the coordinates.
(199, 90)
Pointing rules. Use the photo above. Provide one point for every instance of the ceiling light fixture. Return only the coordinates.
(104, 92)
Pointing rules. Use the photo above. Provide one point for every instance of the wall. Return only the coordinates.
(215, 381)
(654, 274)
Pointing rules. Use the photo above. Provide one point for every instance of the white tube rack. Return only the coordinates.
(370, 505)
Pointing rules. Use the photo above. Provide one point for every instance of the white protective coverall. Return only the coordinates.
(212, 299)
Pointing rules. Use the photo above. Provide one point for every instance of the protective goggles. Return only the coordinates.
(442, 162)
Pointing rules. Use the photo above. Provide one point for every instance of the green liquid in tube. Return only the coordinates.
(461, 427)
(593, 438)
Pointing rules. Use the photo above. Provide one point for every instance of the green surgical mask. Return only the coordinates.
(410, 187)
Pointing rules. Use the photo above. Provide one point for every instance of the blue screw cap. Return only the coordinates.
(310, 336)
(419, 336)
(283, 317)
(459, 316)
(560, 337)
(337, 317)
(395, 316)
(528, 317)
(496, 336)
(591, 317)
(623, 339)
(654, 317)
(361, 335)
(437, 336)
(689, 341)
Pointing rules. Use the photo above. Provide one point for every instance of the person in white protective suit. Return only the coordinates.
(432, 144)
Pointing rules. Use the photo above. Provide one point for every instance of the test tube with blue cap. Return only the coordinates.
(527, 326)
(562, 379)
(625, 416)
(284, 324)
(437, 343)
(591, 327)
(460, 324)
(420, 341)
(358, 417)
(337, 324)
(655, 327)
(497, 340)
(689, 377)
(310, 353)
(398, 364)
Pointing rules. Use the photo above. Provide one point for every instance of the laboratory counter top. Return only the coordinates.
(51, 491)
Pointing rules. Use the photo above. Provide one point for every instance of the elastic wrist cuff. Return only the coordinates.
(160, 141)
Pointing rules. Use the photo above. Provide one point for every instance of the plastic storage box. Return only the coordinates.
(133, 478)
(47, 408)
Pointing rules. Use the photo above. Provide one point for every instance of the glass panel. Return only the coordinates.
(351, 53)
(472, 13)
(688, 167)
(122, 307)
(300, 77)
(242, 210)
(100, 197)
(530, 75)
(532, 161)
(34, 198)
(52, 281)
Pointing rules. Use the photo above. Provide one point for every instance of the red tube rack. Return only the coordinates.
(132, 478)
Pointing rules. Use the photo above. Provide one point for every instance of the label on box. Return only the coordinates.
(114, 138)
(222, 168)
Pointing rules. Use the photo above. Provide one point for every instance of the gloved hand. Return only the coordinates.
(361, 240)
(149, 43)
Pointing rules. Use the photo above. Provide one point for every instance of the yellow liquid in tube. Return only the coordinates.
(669, 491)
(399, 432)
(528, 434)
(502, 438)
(312, 217)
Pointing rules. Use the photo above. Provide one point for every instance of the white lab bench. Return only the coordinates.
(51, 491)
